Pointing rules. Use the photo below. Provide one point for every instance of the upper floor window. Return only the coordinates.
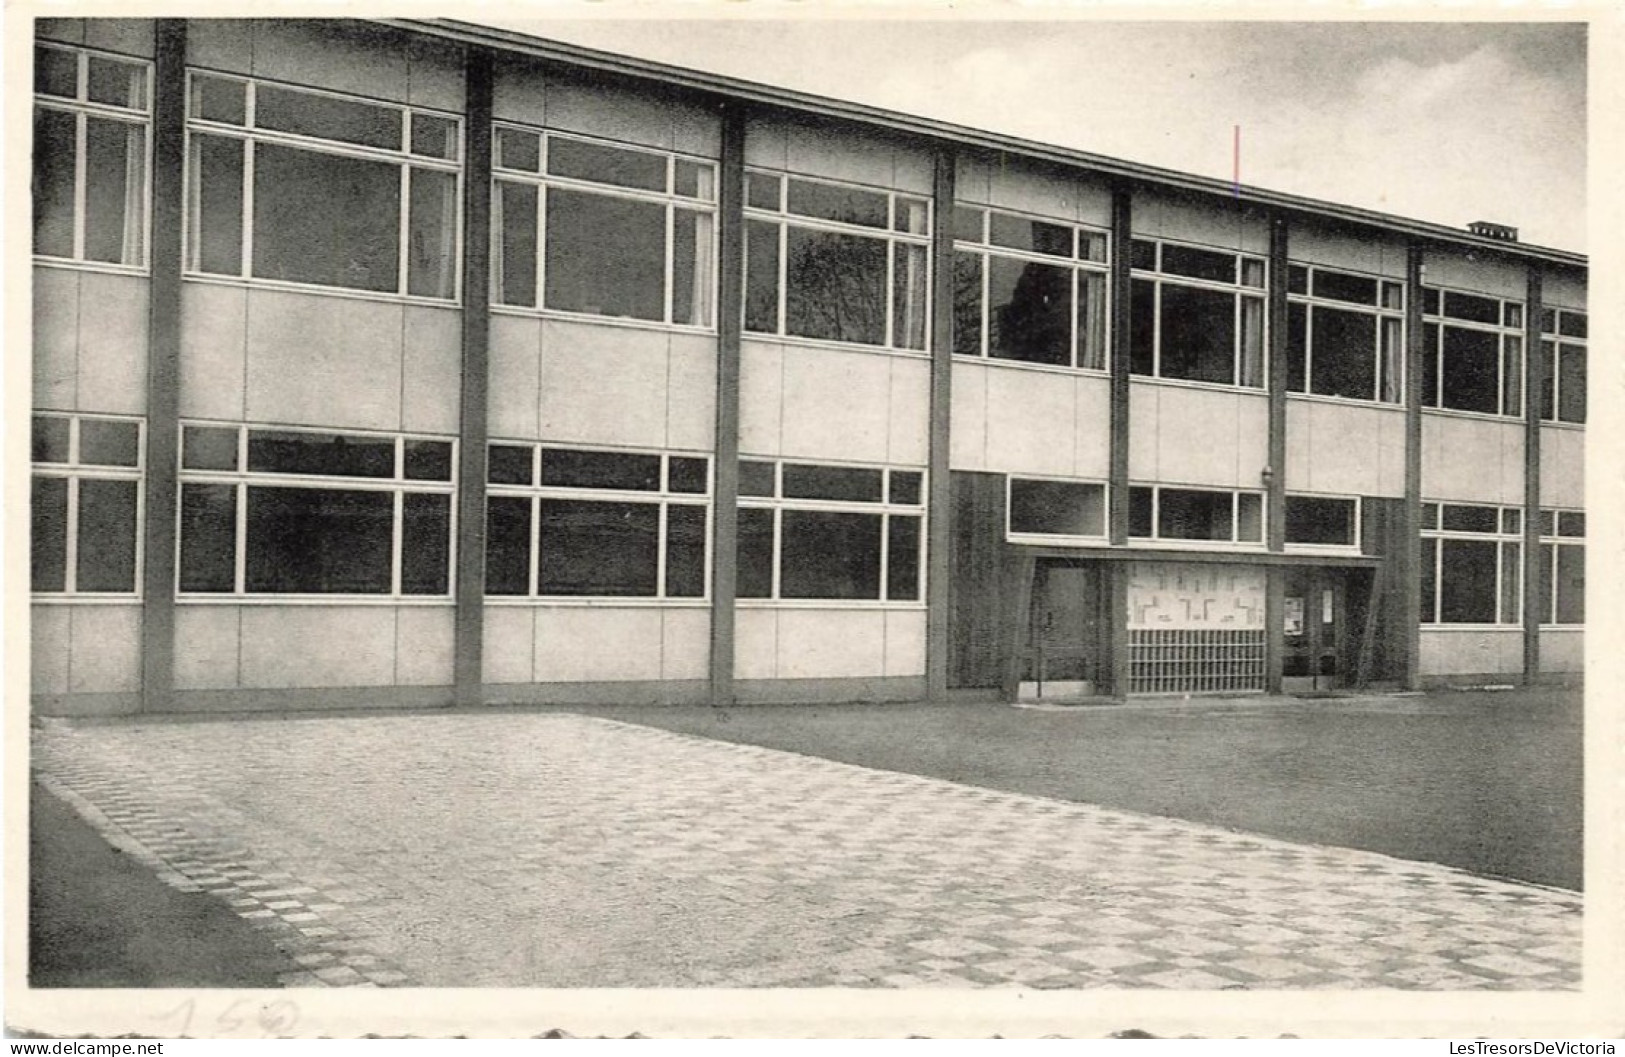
(302, 186)
(1471, 572)
(90, 156)
(1563, 350)
(602, 229)
(1196, 514)
(86, 504)
(1472, 352)
(1029, 290)
(1196, 314)
(836, 262)
(1345, 335)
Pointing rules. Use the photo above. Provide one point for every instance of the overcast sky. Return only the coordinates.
(1442, 122)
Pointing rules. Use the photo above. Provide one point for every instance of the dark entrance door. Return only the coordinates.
(1315, 651)
(1063, 652)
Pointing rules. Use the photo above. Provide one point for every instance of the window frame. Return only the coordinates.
(669, 199)
(1157, 540)
(1076, 265)
(74, 471)
(1509, 342)
(883, 508)
(1056, 539)
(82, 109)
(242, 479)
(783, 220)
(1378, 310)
(1239, 289)
(1503, 537)
(1553, 343)
(250, 136)
(1556, 540)
(1328, 548)
(664, 497)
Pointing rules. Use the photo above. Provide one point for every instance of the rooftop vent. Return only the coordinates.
(1493, 231)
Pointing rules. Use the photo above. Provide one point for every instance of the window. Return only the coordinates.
(835, 262)
(601, 229)
(1321, 521)
(811, 531)
(1057, 510)
(1472, 353)
(1561, 589)
(574, 523)
(86, 505)
(1195, 514)
(1029, 290)
(300, 186)
(1470, 564)
(90, 156)
(1345, 335)
(1196, 314)
(1563, 354)
(303, 512)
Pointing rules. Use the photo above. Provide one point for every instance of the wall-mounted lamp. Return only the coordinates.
(1267, 474)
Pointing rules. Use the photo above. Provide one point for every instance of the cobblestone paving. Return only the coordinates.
(567, 851)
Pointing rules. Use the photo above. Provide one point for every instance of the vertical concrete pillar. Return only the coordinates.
(1535, 373)
(1275, 472)
(730, 322)
(1117, 485)
(1408, 557)
(939, 509)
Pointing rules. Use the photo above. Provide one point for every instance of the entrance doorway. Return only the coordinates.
(1065, 648)
(1315, 651)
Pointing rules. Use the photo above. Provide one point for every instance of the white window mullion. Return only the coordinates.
(245, 267)
(403, 228)
(534, 577)
(80, 181)
(671, 224)
(987, 307)
(397, 532)
(784, 272)
(70, 553)
(778, 548)
(887, 295)
(883, 589)
(240, 551)
(1156, 338)
(660, 551)
(541, 247)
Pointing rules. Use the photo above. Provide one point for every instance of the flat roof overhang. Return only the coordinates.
(944, 131)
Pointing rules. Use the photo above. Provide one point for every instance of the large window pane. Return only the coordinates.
(1472, 308)
(1198, 263)
(49, 545)
(328, 454)
(115, 191)
(1057, 508)
(326, 219)
(1467, 589)
(208, 537)
(594, 548)
(755, 554)
(835, 287)
(1472, 371)
(1029, 311)
(1297, 348)
(691, 267)
(1543, 584)
(1198, 334)
(327, 117)
(1037, 236)
(968, 304)
(1143, 327)
(1429, 574)
(1345, 354)
(431, 262)
(685, 551)
(507, 545)
(425, 543)
(1191, 515)
(1511, 580)
(1571, 383)
(831, 482)
(319, 541)
(1320, 521)
(1140, 506)
(516, 206)
(908, 296)
(107, 530)
(568, 468)
(830, 555)
(1340, 286)
(216, 230)
(761, 277)
(1571, 585)
(604, 164)
(902, 558)
(849, 205)
(54, 157)
(605, 256)
(1092, 320)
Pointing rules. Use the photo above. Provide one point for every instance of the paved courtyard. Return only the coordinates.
(559, 850)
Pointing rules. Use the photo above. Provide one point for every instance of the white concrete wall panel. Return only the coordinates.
(214, 350)
(1021, 186)
(1460, 271)
(967, 432)
(691, 392)
(105, 654)
(1210, 437)
(208, 640)
(1330, 249)
(62, 30)
(909, 416)
(423, 645)
(515, 367)
(50, 632)
(1341, 449)
(1144, 425)
(127, 36)
(1489, 652)
(366, 60)
(1391, 454)
(913, 171)
(1209, 223)
(112, 363)
(1562, 290)
(905, 642)
(972, 176)
(829, 150)
(56, 338)
(685, 643)
(326, 361)
(609, 113)
(1562, 650)
(589, 644)
(766, 143)
(756, 643)
(1562, 467)
(761, 396)
(224, 44)
(1472, 460)
(311, 646)
(1093, 433)
(434, 74)
(831, 643)
(1030, 417)
(603, 385)
(836, 405)
(510, 644)
(431, 382)
(518, 92)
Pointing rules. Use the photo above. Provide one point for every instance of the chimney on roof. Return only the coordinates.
(1493, 231)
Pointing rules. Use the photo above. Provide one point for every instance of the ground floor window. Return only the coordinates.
(813, 531)
(1471, 567)
(306, 512)
(85, 505)
(1057, 510)
(579, 523)
(1322, 521)
(1561, 589)
(1195, 514)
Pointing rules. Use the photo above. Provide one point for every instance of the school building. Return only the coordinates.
(412, 363)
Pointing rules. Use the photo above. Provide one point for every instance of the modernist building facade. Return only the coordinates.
(396, 363)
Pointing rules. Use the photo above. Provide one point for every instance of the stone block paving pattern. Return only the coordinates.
(556, 850)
